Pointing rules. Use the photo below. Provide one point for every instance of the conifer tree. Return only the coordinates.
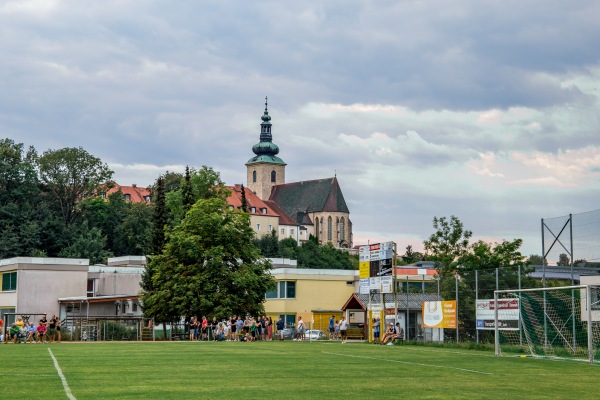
(160, 218)
(187, 193)
(244, 201)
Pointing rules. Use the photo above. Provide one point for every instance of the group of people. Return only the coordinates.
(236, 328)
(338, 328)
(22, 332)
(392, 333)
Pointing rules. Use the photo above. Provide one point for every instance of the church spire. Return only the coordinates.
(266, 150)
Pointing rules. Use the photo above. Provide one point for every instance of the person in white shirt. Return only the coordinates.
(343, 329)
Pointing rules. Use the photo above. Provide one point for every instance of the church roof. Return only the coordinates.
(266, 151)
(321, 195)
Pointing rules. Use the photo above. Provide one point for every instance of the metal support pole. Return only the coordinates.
(520, 316)
(407, 312)
(456, 279)
(588, 295)
(496, 336)
(476, 298)
(572, 283)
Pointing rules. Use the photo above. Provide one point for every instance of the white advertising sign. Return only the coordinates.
(364, 286)
(387, 284)
(375, 283)
(508, 314)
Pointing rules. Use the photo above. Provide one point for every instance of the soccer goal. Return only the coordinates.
(556, 322)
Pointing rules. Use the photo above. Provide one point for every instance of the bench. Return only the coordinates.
(355, 333)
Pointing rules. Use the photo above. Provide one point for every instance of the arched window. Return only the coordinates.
(317, 228)
(342, 229)
(273, 176)
(253, 176)
(329, 228)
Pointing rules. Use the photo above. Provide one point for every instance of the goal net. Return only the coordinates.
(556, 322)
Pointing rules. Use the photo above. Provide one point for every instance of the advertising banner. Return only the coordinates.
(508, 314)
(363, 253)
(364, 286)
(439, 314)
(375, 283)
(363, 269)
(387, 284)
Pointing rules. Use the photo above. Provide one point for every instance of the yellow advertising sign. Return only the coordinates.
(363, 269)
(439, 314)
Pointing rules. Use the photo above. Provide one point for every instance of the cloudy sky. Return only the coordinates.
(489, 111)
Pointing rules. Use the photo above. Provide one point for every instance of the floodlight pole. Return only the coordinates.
(456, 279)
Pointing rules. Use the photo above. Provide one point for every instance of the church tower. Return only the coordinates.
(265, 169)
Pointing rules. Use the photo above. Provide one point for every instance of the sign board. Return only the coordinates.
(375, 283)
(508, 314)
(387, 284)
(439, 314)
(364, 286)
(363, 269)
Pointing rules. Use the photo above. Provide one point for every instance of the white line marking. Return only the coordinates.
(62, 377)
(410, 363)
(24, 375)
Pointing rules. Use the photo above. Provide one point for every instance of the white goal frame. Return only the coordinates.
(586, 312)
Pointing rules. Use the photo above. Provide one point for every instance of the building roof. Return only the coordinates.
(414, 300)
(266, 151)
(284, 219)
(136, 194)
(320, 195)
(252, 200)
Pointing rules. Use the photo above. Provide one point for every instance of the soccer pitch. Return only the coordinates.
(282, 370)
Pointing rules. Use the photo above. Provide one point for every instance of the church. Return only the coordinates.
(314, 207)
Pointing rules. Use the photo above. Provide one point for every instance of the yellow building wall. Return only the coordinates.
(316, 297)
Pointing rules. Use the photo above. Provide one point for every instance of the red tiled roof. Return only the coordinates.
(136, 194)
(235, 200)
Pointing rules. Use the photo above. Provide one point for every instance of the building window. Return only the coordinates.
(9, 281)
(253, 176)
(147, 198)
(91, 288)
(273, 176)
(283, 231)
(284, 290)
(258, 227)
(270, 228)
(127, 197)
(342, 229)
(292, 232)
(263, 210)
(252, 209)
(103, 195)
(134, 307)
(329, 229)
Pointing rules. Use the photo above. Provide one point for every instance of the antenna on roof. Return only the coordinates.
(335, 173)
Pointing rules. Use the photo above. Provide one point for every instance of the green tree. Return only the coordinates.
(563, 260)
(449, 242)
(268, 245)
(160, 218)
(187, 195)
(410, 256)
(535, 259)
(288, 248)
(209, 265)
(244, 200)
(311, 255)
(70, 175)
(88, 243)
(25, 220)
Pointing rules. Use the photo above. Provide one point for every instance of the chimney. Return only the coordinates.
(134, 185)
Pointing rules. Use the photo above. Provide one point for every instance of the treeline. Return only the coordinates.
(50, 206)
(308, 255)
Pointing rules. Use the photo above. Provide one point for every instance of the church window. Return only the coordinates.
(342, 229)
(253, 176)
(329, 229)
(273, 176)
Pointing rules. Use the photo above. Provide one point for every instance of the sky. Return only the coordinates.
(489, 111)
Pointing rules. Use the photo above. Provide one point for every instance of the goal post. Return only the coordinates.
(557, 322)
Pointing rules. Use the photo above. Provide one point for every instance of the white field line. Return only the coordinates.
(411, 363)
(62, 377)
(1, 374)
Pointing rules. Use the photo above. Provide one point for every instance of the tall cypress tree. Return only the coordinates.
(187, 193)
(160, 218)
(244, 201)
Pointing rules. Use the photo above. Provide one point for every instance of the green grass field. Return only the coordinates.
(283, 370)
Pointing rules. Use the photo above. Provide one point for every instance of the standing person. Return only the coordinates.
(253, 328)
(343, 328)
(376, 327)
(52, 328)
(301, 328)
(44, 322)
(192, 326)
(280, 327)
(270, 329)
(232, 328)
(204, 328)
(240, 327)
(259, 328)
(332, 327)
(1, 325)
(213, 328)
(336, 335)
(58, 330)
